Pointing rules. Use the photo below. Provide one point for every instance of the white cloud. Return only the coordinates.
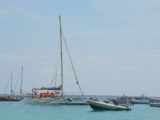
(126, 68)
(48, 70)
(11, 57)
(152, 1)
(34, 16)
(88, 34)
(45, 63)
(154, 53)
(25, 13)
(141, 54)
(20, 10)
(3, 12)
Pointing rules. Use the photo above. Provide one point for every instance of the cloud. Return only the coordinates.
(11, 57)
(25, 13)
(88, 34)
(154, 53)
(152, 2)
(127, 68)
(112, 7)
(141, 54)
(46, 70)
(45, 63)
(20, 10)
(34, 16)
(3, 12)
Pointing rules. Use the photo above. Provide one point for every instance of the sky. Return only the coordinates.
(115, 45)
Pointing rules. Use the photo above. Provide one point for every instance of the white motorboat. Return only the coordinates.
(154, 104)
(97, 105)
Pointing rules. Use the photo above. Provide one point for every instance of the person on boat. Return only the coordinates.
(48, 94)
(35, 93)
(69, 100)
(114, 102)
(90, 98)
(32, 93)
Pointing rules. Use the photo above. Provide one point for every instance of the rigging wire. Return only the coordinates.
(55, 75)
(16, 84)
(5, 89)
(72, 65)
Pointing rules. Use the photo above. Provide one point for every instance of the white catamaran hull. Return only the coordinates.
(59, 101)
(96, 105)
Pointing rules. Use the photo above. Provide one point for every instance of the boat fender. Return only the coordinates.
(51, 94)
(48, 95)
(41, 95)
(45, 94)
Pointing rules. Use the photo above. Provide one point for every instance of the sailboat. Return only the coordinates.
(12, 97)
(55, 94)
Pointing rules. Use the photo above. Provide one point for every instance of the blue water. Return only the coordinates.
(22, 111)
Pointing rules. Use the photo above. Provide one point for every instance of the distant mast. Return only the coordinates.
(11, 84)
(21, 93)
(61, 52)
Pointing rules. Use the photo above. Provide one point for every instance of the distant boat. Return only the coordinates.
(154, 102)
(55, 94)
(9, 99)
(123, 100)
(97, 105)
(136, 101)
(140, 100)
(12, 97)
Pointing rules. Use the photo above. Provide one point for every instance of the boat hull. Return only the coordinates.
(140, 101)
(58, 101)
(123, 102)
(9, 99)
(154, 104)
(96, 105)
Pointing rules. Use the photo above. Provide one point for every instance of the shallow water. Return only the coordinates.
(22, 111)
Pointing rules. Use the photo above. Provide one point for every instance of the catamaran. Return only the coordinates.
(55, 94)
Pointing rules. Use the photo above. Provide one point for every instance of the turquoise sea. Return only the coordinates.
(22, 111)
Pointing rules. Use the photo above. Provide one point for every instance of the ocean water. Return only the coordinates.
(23, 111)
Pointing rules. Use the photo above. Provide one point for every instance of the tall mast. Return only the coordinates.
(21, 82)
(11, 85)
(61, 52)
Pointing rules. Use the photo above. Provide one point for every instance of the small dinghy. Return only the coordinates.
(97, 105)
